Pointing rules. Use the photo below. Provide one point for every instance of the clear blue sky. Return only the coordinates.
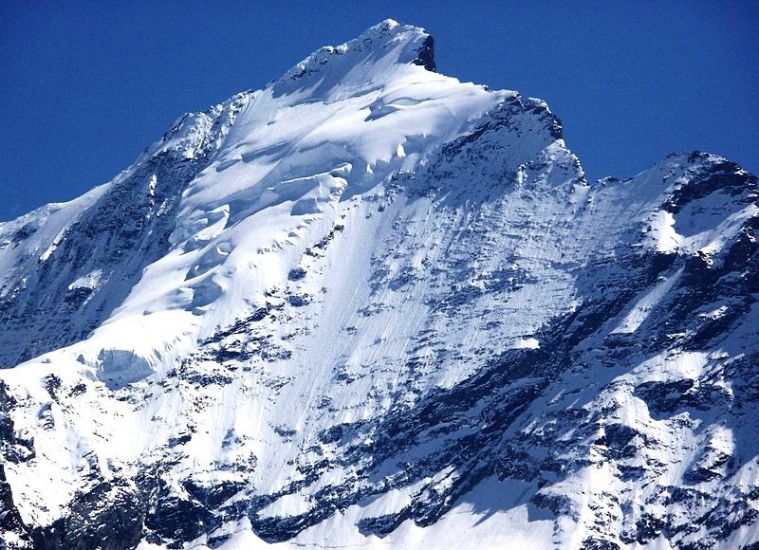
(85, 86)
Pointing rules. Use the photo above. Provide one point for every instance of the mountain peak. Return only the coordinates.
(372, 302)
(422, 42)
(370, 55)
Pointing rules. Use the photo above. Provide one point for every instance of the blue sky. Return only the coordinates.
(86, 86)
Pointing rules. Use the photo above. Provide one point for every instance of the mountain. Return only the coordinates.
(371, 306)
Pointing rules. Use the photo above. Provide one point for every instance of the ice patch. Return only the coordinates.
(89, 281)
(527, 343)
(715, 314)
(119, 368)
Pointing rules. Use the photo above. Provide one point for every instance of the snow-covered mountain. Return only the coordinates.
(371, 306)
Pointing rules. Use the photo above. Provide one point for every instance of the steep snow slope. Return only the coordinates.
(371, 305)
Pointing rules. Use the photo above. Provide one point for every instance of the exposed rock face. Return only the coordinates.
(373, 305)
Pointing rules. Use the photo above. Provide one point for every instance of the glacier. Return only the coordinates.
(371, 306)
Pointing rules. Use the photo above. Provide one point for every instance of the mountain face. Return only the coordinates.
(373, 306)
